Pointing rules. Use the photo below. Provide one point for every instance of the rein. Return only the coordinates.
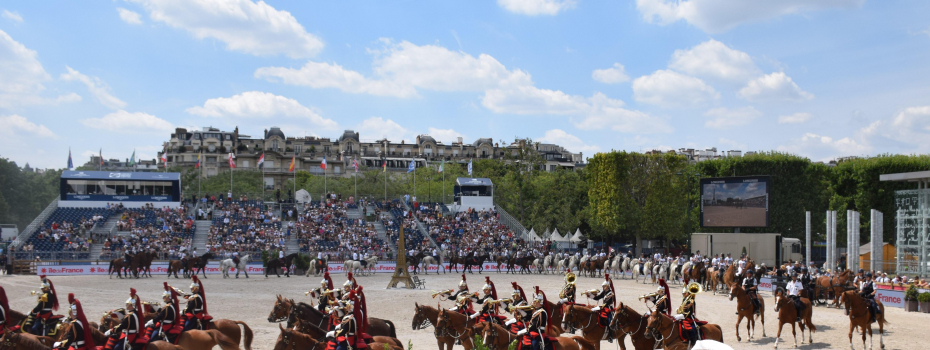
(662, 337)
(445, 330)
(623, 327)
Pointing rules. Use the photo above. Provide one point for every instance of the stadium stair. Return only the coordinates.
(420, 226)
(200, 235)
(382, 234)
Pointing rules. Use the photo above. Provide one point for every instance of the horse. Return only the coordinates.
(697, 272)
(229, 264)
(500, 260)
(582, 317)
(318, 266)
(430, 261)
(833, 286)
(355, 267)
(287, 309)
(570, 263)
(318, 333)
(788, 313)
(196, 340)
(858, 312)
(664, 329)
(659, 271)
(628, 322)
(371, 264)
(455, 325)
(198, 263)
(293, 340)
(686, 271)
(624, 267)
(636, 270)
(65, 328)
(647, 270)
(275, 264)
(145, 262)
(477, 260)
(548, 263)
(425, 316)
(173, 267)
(24, 341)
(455, 261)
(729, 277)
(499, 338)
(746, 309)
(674, 274)
(118, 265)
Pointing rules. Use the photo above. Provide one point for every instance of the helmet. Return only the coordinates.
(538, 299)
(660, 289)
(486, 288)
(869, 275)
(462, 284)
(861, 270)
(348, 284)
(324, 283)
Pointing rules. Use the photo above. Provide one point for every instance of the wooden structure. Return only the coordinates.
(889, 254)
(401, 273)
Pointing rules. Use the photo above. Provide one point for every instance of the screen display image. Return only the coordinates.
(735, 202)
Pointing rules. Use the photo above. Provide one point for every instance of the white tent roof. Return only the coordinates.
(556, 237)
(532, 237)
(577, 237)
(546, 235)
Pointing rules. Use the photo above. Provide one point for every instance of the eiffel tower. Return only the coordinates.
(400, 271)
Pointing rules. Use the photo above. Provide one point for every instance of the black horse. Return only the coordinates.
(414, 262)
(198, 264)
(274, 264)
(477, 260)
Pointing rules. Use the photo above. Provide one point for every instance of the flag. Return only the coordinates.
(323, 164)
(70, 163)
(132, 160)
(469, 168)
(164, 156)
(412, 166)
(232, 163)
(101, 156)
(442, 165)
(261, 161)
(293, 159)
(198, 162)
(384, 166)
(355, 164)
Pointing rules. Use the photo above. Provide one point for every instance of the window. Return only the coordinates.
(326, 149)
(298, 148)
(244, 163)
(269, 183)
(274, 145)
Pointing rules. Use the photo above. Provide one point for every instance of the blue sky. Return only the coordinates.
(822, 79)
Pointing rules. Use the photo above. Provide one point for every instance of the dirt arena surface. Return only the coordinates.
(723, 216)
(251, 300)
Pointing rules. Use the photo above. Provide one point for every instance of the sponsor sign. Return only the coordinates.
(117, 198)
(893, 298)
(102, 270)
(766, 285)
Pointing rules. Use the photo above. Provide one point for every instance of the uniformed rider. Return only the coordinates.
(325, 294)
(196, 311)
(79, 336)
(47, 302)
(129, 330)
(166, 323)
(488, 311)
(749, 285)
(867, 291)
(686, 312)
(454, 295)
(536, 327)
(605, 309)
(517, 307)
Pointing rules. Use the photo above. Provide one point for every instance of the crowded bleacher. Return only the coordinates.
(326, 228)
(244, 226)
(166, 231)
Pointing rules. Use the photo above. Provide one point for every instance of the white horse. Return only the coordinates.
(547, 263)
(572, 264)
(647, 271)
(352, 266)
(659, 271)
(538, 264)
(673, 275)
(227, 264)
(429, 261)
(625, 266)
(372, 264)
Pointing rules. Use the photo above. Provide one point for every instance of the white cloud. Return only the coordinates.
(672, 89)
(715, 16)
(128, 16)
(796, 118)
(733, 145)
(568, 141)
(15, 124)
(811, 144)
(22, 75)
(612, 75)
(714, 60)
(129, 122)
(97, 87)
(246, 26)
(260, 105)
(724, 118)
(379, 128)
(536, 7)
(909, 130)
(325, 75)
(13, 16)
(774, 87)
(446, 136)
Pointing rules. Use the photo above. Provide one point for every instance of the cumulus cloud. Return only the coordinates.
(672, 89)
(13, 16)
(826, 147)
(908, 130)
(97, 87)
(128, 16)
(446, 136)
(796, 118)
(714, 60)
(568, 141)
(15, 124)
(725, 118)
(254, 28)
(612, 75)
(22, 75)
(536, 7)
(774, 87)
(379, 128)
(131, 122)
(260, 105)
(319, 75)
(715, 16)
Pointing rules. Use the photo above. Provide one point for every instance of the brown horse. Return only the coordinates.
(196, 340)
(99, 337)
(582, 317)
(455, 325)
(173, 267)
(318, 333)
(23, 341)
(287, 309)
(425, 316)
(858, 312)
(145, 262)
(499, 338)
(746, 309)
(729, 277)
(833, 287)
(293, 340)
(119, 266)
(665, 330)
(230, 329)
(788, 313)
(697, 272)
(628, 322)
(112, 318)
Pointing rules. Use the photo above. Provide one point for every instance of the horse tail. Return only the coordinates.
(247, 334)
(393, 332)
(583, 343)
(222, 340)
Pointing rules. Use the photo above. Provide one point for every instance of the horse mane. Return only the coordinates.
(28, 343)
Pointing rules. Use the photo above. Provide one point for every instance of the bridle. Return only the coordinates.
(422, 324)
(615, 324)
(278, 306)
(655, 331)
(444, 331)
(490, 338)
(571, 313)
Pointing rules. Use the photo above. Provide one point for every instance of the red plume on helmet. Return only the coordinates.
(201, 292)
(612, 290)
(545, 305)
(174, 300)
(329, 280)
(352, 278)
(4, 303)
(51, 287)
(487, 279)
(517, 287)
(79, 315)
(363, 309)
(668, 297)
(136, 303)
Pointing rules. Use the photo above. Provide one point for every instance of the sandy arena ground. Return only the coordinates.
(734, 217)
(251, 300)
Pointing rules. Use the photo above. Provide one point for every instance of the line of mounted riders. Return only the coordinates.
(140, 265)
(139, 325)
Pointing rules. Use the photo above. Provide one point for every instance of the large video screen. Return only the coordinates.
(735, 201)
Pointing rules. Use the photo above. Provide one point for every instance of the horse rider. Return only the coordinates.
(129, 254)
(47, 301)
(867, 291)
(130, 328)
(454, 295)
(567, 294)
(686, 312)
(660, 299)
(749, 285)
(325, 294)
(679, 263)
(517, 307)
(165, 325)
(860, 277)
(235, 258)
(348, 287)
(794, 289)
(605, 310)
(345, 333)
(79, 337)
(488, 311)
(281, 257)
(536, 328)
(196, 311)
(183, 256)
(806, 282)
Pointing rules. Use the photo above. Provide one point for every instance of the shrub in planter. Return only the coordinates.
(924, 299)
(910, 299)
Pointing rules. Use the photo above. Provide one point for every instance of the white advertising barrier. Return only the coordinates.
(893, 298)
(213, 268)
(765, 284)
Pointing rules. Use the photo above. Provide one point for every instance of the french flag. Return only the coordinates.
(323, 164)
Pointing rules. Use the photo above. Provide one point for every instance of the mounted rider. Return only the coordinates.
(605, 310)
(347, 287)
(517, 307)
(686, 312)
(130, 329)
(196, 312)
(536, 327)
(867, 292)
(488, 302)
(47, 302)
(348, 333)
(661, 299)
(749, 285)
(166, 324)
(325, 294)
(454, 295)
(79, 337)
(806, 282)
(567, 294)
(794, 288)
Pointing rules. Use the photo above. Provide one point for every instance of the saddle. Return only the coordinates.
(683, 329)
(364, 263)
